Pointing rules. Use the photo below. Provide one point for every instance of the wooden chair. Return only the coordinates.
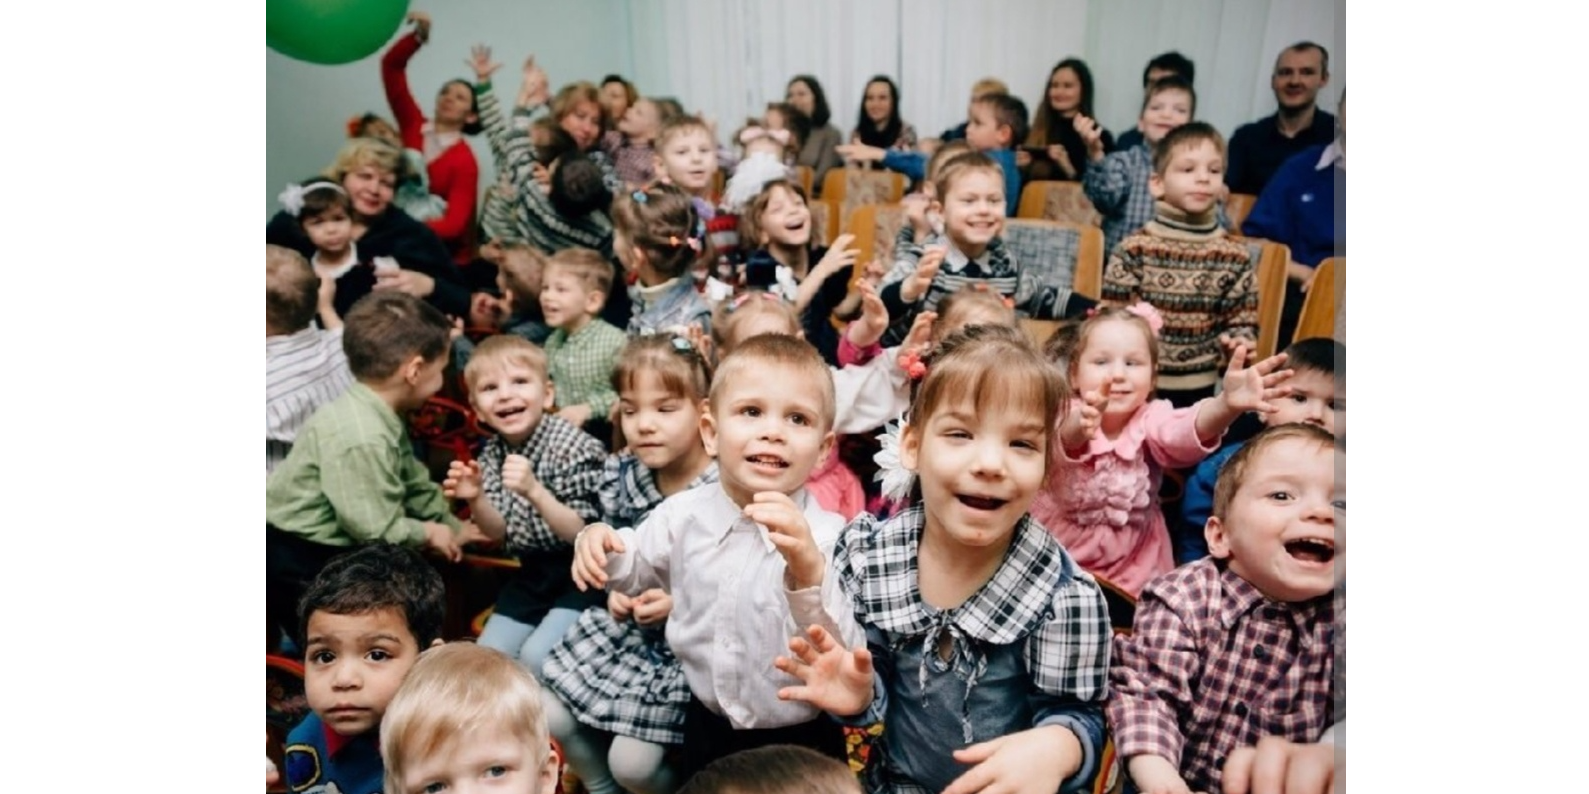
(1058, 253)
(719, 182)
(1057, 201)
(851, 187)
(805, 177)
(824, 221)
(1237, 206)
(1318, 306)
(875, 226)
(1269, 264)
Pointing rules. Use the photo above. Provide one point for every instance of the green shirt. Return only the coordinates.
(581, 366)
(352, 478)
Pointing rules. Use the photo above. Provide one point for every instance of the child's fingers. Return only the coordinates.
(863, 662)
(977, 778)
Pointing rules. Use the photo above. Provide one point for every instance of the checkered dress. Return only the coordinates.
(567, 460)
(620, 677)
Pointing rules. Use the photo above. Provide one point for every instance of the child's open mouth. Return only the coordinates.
(507, 413)
(1315, 550)
(767, 461)
(981, 502)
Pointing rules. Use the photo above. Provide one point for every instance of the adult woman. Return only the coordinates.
(879, 123)
(367, 169)
(617, 96)
(819, 151)
(1054, 148)
(450, 164)
(576, 108)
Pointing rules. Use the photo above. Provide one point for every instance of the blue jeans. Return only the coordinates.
(530, 645)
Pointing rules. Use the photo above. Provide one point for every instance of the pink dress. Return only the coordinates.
(1103, 506)
(836, 488)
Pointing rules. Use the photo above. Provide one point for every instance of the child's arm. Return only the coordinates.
(1108, 184)
(514, 154)
(816, 598)
(901, 296)
(1150, 680)
(567, 499)
(1241, 312)
(598, 369)
(860, 341)
(1245, 389)
(877, 392)
(326, 305)
(628, 561)
(1081, 422)
(370, 498)
(463, 482)
(394, 79)
(840, 256)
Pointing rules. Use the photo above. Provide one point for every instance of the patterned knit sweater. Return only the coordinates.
(1201, 281)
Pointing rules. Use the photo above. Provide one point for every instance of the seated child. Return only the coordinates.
(717, 550)
(995, 123)
(629, 146)
(784, 116)
(659, 236)
(305, 367)
(1116, 440)
(466, 719)
(351, 477)
(1314, 392)
(519, 278)
(362, 624)
(775, 769)
(325, 214)
(1239, 644)
(583, 350)
(985, 641)
(1201, 281)
(534, 485)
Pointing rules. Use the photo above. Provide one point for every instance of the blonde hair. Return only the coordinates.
(681, 125)
(592, 270)
(987, 86)
(451, 691)
(360, 152)
(571, 95)
(960, 165)
(754, 355)
(500, 350)
(292, 290)
(1234, 471)
(971, 301)
(744, 310)
(995, 367)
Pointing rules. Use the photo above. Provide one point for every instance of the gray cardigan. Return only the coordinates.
(820, 154)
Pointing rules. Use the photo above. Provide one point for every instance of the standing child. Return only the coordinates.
(362, 623)
(305, 367)
(715, 549)
(629, 146)
(1116, 441)
(990, 645)
(659, 236)
(534, 485)
(583, 350)
(616, 695)
(1181, 262)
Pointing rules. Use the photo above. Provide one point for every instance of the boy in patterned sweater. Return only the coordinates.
(1182, 263)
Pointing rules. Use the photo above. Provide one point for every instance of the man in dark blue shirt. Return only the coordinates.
(1257, 149)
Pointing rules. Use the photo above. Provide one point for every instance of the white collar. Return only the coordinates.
(335, 272)
(726, 517)
(1333, 154)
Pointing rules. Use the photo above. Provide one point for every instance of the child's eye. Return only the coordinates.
(1339, 504)
(322, 657)
(433, 788)
(956, 434)
(378, 655)
(496, 771)
(750, 411)
(1280, 496)
(1029, 445)
(800, 419)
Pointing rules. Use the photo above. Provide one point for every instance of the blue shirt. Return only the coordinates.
(1303, 206)
(1197, 504)
(317, 756)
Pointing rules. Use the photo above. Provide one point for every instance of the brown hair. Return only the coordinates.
(385, 329)
(499, 349)
(971, 300)
(523, 269)
(1170, 83)
(292, 290)
(321, 196)
(681, 368)
(680, 125)
(1234, 471)
(750, 219)
(1189, 134)
(774, 769)
(737, 312)
(1008, 111)
(662, 222)
(755, 354)
(592, 269)
(959, 165)
(993, 366)
(1078, 340)
(569, 96)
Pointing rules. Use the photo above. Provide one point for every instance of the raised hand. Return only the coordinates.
(833, 678)
(533, 91)
(590, 555)
(919, 338)
(517, 476)
(1092, 135)
(1032, 761)
(463, 481)
(873, 322)
(421, 23)
(480, 61)
(791, 534)
(916, 205)
(1083, 418)
(916, 284)
(839, 256)
(1251, 388)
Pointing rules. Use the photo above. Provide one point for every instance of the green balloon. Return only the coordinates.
(331, 31)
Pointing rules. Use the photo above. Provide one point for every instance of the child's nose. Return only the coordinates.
(345, 676)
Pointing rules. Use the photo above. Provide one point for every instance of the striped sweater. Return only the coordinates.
(1201, 281)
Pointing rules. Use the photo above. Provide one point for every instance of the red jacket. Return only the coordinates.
(454, 176)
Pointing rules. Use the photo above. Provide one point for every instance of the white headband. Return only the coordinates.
(292, 198)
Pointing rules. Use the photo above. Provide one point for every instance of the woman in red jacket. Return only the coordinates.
(450, 163)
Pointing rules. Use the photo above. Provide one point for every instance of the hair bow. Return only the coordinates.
(292, 198)
(1146, 311)
(639, 196)
(751, 134)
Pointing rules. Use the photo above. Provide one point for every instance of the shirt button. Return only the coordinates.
(1241, 709)
(1261, 652)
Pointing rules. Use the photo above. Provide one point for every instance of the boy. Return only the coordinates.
(778, 769)
(535, 486)
(1239, 645)
(352, 477)
(363, 622)
(1163, 65)
(1117, 184)
(304, 366)
(518, 280)
(718, 550)
(979, 89)
(583, 349)
(465, 713)
(1316, 388)
(994, 123)
(1183, 264)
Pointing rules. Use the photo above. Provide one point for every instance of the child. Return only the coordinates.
(764, 157)
(659, 235)
(688, 158)
(305, 367)
(990, 644)
(715, 549)
(519, 279)
(1230, 648)
(1318, 363)
(616, 695)
(970, 191)
(629, 146)
(362, 624)
(534, 484)
(325, 214)
(777, 769)
(467, 719)
(995, 123)
(1116, 441)
(351, 477)
(1117, 184)
(583, 350)
(987, 86)
(1182, 263)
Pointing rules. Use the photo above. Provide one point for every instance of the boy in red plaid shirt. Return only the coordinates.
(1238, 645)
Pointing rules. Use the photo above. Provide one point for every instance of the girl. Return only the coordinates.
(325, 214)
(615, 694)
(1054, 148)
(819, 152)
(629, 144)
(814, 279)
(658, 236)
(1116, 441)
(878, 123)
(687, 158)
(764, 156)
(989, 643)
(450, 164)
(784, 116)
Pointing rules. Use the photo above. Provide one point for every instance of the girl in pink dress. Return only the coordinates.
(1101, 500)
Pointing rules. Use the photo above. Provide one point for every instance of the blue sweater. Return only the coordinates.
(1303, 207)
(1197, 503)
(914, 166)
(355, 766)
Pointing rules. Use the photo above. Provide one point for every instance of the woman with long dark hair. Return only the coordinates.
(1054, 148)
(878, 123)
(819, 152)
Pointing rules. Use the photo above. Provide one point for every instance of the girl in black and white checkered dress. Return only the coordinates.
(615, 694)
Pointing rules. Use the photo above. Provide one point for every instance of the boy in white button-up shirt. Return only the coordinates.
(720, 551)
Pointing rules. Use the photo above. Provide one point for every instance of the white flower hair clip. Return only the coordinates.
(896, 479)
(292, 198)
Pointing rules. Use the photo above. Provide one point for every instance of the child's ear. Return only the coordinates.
(593, 302)
(547, 779)
(708, 430)
(1218, 542)
(1006, 135)
(909, 447)
(412, 368)
(551, 396)
(1156, 186)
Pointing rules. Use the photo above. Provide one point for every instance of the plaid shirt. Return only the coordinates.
(580, 366)
(565, 459)
(1038, 606)
(1213, 665)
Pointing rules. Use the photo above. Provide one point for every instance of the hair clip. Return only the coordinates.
(639, 196)
(682, 345)
(740, 299)
(914, 367)
(1092, 312)
(1146, 311)
(355, 124)
(694, 244)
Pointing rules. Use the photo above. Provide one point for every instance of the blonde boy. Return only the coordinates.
(583, 349)
(718, 550)
(467, 716)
